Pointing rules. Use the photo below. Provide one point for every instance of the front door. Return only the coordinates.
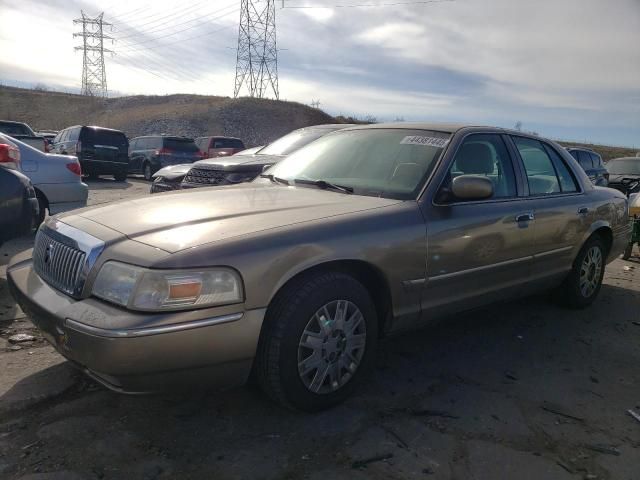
(477, 249)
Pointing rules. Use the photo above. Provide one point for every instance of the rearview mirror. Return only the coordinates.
(472, 187)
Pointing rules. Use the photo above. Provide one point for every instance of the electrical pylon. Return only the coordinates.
(94, 76)
(257, 56)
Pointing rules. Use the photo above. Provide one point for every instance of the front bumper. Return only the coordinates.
(163, 186)
(152, 354)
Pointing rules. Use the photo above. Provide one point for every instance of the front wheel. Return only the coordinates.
(120, 176)
(146, 171)
(319, 339)
(582, 285)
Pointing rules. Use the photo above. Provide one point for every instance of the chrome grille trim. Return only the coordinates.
(206, 176)
(63, 256)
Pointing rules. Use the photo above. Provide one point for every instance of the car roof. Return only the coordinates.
(218, 136)
(434, 126)
(626, 158)
(581, 148)
(12, 122)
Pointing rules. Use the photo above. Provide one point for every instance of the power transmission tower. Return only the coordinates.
(257, 57)
(94, 76)
(315, 103)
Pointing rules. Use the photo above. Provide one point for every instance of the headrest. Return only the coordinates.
(475, 158)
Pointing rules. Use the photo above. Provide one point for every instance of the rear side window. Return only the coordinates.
(584, 159)
(541, 173)
(14, 129)
(567, 181)
(111, 138)
(228, 143)
(74, 133)
(180, 144)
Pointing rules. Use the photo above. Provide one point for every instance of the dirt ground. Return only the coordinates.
(523, 390)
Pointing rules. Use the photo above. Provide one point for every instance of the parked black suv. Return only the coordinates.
(149, 154)
(591, 163)
(101, 151)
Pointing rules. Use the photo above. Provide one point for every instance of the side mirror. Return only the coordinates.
(472, 187)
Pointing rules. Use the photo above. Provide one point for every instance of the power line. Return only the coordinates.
(365, 5)
(94, 77)
(257, 54)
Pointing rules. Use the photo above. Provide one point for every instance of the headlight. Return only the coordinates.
(140, 288)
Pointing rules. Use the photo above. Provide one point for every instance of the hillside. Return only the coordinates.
(256, 121)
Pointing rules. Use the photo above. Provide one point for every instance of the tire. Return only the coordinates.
(92, 175)
(42, 211)
(341, 354)
(627, 251)
(582, 285)
(120, 176)
(147, 172)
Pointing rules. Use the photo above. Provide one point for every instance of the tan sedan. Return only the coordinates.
(366, 232)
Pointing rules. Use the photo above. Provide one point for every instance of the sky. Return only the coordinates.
(567, 69)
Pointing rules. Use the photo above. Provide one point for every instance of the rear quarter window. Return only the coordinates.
(14, 129)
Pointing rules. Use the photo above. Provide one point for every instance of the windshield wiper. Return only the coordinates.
(324, 185)
(274, 179)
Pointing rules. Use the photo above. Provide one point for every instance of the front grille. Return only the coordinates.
(57, 262)
(206, 176)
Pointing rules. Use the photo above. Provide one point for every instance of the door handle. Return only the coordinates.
(525, 217)
(583, 210)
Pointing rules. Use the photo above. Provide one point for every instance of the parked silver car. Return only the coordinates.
(56, 178)
(365, 232)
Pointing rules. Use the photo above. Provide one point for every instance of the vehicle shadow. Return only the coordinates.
(102, 183)
(480, 375)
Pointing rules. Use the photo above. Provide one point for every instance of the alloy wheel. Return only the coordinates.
(331, 347)
(590, 271)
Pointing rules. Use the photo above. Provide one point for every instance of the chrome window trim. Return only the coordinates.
(148, 331)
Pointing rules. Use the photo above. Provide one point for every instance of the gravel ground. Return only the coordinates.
(521, 390)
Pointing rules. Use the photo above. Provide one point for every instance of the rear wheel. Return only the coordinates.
(120, 176)
(319, 339)
(146, 171)
(582, 285)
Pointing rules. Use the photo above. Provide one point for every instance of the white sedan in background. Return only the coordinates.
(57, 179)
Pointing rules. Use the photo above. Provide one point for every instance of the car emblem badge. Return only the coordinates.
(48, 254)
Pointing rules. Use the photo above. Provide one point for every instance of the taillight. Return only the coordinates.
(78, 147)
(75, 168)
(164, 151)
(9, 155)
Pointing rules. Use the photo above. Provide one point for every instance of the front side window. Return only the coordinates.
(74, 134)
(486, 155)
(391, 163)
(541, 173)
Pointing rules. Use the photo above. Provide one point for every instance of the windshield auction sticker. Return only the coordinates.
(426, 141)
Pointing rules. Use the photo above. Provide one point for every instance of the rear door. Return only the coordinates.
(179, 150)
(108, 149)
(561, 216)
(476, 249)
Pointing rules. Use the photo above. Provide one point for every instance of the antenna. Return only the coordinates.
(257, 55)
(94, 77)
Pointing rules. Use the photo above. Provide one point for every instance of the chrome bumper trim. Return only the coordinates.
(144, 332)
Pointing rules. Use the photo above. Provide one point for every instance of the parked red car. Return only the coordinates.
(212, 147)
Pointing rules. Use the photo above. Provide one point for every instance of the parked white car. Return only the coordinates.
(57, 179)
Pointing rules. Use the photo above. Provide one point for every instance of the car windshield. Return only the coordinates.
(14, 129)
(391, 163)
(622, 166)
(294, 141)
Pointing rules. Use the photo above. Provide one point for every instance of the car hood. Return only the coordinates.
(617, 178)
(189, 218)
(224, 162)
(173, 171)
